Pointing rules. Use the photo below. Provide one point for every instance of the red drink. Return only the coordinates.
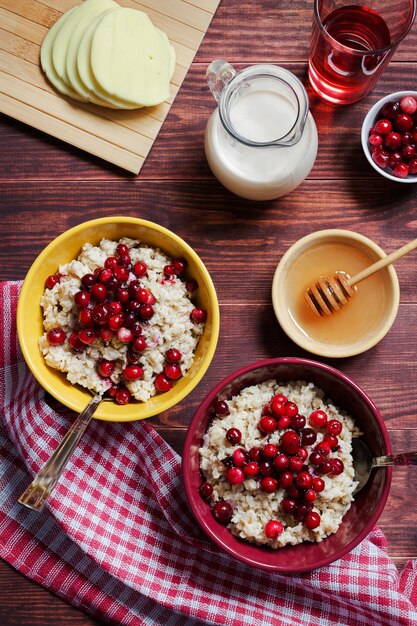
(348, 53)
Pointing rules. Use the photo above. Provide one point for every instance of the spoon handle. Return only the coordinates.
(38, 492)
(405, 458)
(386, 260)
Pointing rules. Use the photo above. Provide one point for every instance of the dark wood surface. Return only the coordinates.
(46, 187)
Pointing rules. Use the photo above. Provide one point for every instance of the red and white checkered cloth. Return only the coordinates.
(118, 541)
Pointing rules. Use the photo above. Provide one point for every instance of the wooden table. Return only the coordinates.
(47, 187)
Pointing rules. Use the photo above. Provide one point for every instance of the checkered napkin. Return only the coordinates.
(118, 541)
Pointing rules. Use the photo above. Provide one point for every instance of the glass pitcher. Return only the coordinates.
(261, 141)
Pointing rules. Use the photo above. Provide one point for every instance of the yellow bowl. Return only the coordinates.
(364, 320)
(67, 247)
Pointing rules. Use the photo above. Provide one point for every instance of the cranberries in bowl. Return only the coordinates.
(389, 136)
(88, 296)
(287, 485)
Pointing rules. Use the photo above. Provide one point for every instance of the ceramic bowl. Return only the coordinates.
(67, 247)
(367, 124)
(367, 505)
(358, 326)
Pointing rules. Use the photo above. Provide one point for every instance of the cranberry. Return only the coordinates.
(302, 453)
(133, 289)
(146, 311)
(125, 259)
(400, 170)
(87, 336)
(295, 464)
(129, 319)
(221, 408)
(281, 462)
(173, 355)
(105, 368)
(391, 141)
(82, 299)
(98, 292)
(240, 457)
(191, 286)
(408, 105)
(121, 273)
(169, 270)
(403, 122)
(308, 437)
(337, 467)
(406, 139)
(122, 295)
(409, 152)
(180, 266)
(395, 157)
(222, 512)
(162, 383)
(132, 357)
(55, 336)
(285, 479)
(136, 328)
(390, 110)
(310, 495)
(115, 322)
(323, 448)
(298, 421)
(334, 427)
(277, 406)
(139, 344)
(124, 335)
(122, 249)
(228, 461)
(269, 484)
(318, 484)
(105, 334)
(316, 458)
(291, 409)
(293, 492)
(133, 307)
(88, 280)
(251, 469)
(75, 343)
(111, 391)
(318, 418)
(52, 280)
(140, 269)
(383, 127)
(284, 422)
(267, 424)
(133, 372)
(255, 453)
(375, 139)
(198, 316)
(332, 440)
(110, 263)
(290, 442)
(206, 491)
(325, 467)
(412, 167)
(302, 510)
(115, 307)
(312, 520)
(270, 451)
(304, 480)
(273, 529)
(266, 468)
(288, 505)
(380, 157)
(105, 275)
(235, 475)
(172, 371)
(234, 436)
(123, 396)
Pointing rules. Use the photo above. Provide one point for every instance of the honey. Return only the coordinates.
(362, 314)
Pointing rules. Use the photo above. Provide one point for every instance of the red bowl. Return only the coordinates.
(368, 504)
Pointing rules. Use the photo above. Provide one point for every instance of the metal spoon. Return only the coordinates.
(38, 492)
(364, 461)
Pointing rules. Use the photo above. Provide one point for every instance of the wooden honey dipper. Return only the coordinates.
(330, 293)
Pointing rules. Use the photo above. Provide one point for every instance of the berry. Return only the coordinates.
(146, 311)
(173, 355)
(266, 468)
(240, 457)
(308, 437)
(304, 480)
(110, 263)
(403, 122)
(140, 269)
(105, 368)
(310, 495)
(251, 469)
(139, 344)
(267, 424)
(277, 406)
(88, 280)
(298, 421)
(380, 157)
(122, 295)
(133, 372)
(255, 453)
(206, 491)
(98, 292)
(124, 335)
(291, 409)
(82, 299)
(337, 467)
(290, 442)
(325, 467)
(408, 105)
(401, 170)
(234, 436)
(172, 371)
(390, 110)
(323, 448)
(179, 266)
(121, 272)
(87, 336)
(221, 408)
(391, 141)
(162, 383)
(270, 451)
(222, 512)
(235, 475)
(115, 307)
(295, 464)
(122, 396)
(302, 453)
(191, 286)
(318, 418)
(318, 484)
(55, 336)
(284, 422)
(281, 462)
(375, 139)
(412, 167)
(316, 458)
(115, 322)
(169, 270)
(312, 520)
(122, 249)
(273, 529)
(383, 127)
(105, 275)
(52, 280)
(198, 316)
(334, 427)
(85, 317)
(269, 484)
(285, 479)
(288, 505)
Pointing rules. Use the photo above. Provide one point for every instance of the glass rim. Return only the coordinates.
(362, 53)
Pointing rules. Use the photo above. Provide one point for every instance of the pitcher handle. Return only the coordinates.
(219, 73)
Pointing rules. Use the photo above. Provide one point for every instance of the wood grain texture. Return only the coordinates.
(47, 186)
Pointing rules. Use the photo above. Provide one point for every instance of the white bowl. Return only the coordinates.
(369, 121)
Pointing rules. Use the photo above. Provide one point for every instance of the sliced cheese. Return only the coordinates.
(130, 59)
(46, 58)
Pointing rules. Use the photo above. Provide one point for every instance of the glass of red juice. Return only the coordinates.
(351, 44)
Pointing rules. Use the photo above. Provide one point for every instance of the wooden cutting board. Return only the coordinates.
(121, 137)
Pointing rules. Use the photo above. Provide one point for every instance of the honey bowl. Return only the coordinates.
(366, 318)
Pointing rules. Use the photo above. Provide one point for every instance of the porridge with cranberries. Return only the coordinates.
(277, 464)
(120, 320)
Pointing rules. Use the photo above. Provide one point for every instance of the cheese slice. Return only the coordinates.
(130, 58)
